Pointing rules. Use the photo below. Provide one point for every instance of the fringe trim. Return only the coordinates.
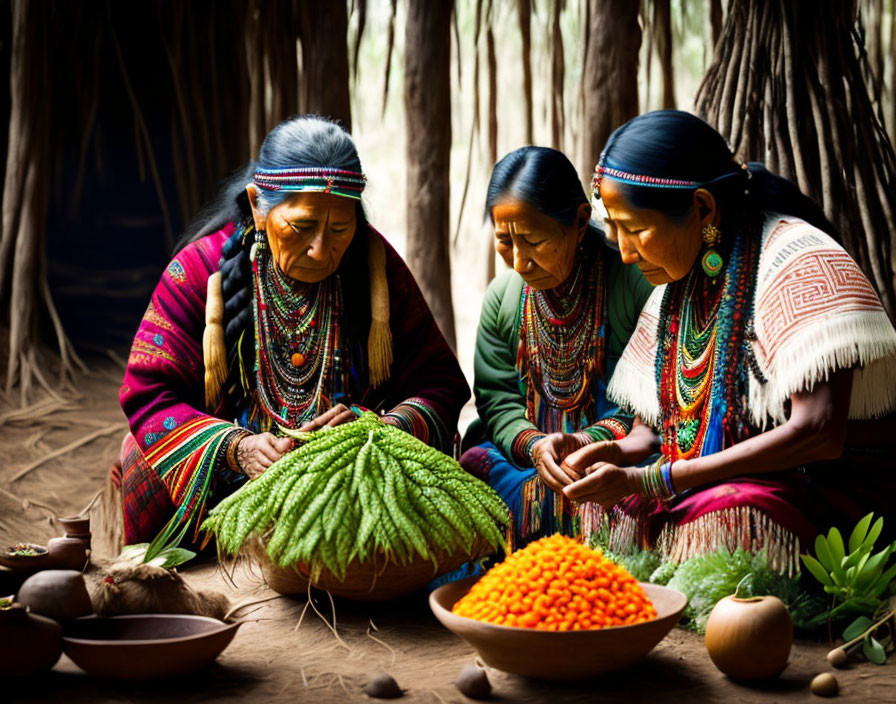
(580, 521)
(865, 340)
(741, 527)
(214, 353)
(626, 532)
(379, 341)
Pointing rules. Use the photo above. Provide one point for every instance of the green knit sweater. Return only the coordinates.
(501, 393)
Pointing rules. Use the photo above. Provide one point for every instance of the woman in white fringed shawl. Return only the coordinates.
(763, 366)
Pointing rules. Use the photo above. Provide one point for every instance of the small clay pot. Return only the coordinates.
(78, 528)
(67, 553)
(79, 525)
(29, 642)
(58, 594)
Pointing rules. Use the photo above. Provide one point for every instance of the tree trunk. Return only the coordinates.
(662, 36)
(324, 35)
(427, 100)
(524, 11)
(558, 70)
(609, 74)
(715, 20)
(787, 87)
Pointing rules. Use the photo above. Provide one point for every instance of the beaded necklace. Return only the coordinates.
(561, 345)
(298, 342)
(700, 370)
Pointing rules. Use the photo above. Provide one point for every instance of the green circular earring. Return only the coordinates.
(712, 261)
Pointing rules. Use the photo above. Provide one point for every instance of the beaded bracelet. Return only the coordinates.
(657, 480)
(232, 444)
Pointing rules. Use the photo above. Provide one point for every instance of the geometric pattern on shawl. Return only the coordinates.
(815, 312)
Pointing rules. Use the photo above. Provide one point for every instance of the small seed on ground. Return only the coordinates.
(824, 685)
(472, 682)
(383, 686)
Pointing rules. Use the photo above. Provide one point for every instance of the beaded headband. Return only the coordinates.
(602, 171)
(339, 182)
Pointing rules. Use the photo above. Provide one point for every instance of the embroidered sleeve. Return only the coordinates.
(613, 428)
(162, 390)
(417, 417)
(500, 399)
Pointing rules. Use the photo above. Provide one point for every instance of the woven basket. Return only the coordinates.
(364, 581)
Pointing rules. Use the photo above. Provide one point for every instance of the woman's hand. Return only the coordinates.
(607, 452)
(337, 415)
(549, 453)
(606, 484)
(255, 453)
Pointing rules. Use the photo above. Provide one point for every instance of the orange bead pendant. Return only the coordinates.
(298, 359)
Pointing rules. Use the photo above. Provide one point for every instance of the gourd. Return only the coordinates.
(749, 638)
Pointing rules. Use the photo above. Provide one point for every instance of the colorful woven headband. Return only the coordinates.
(602, 171)
(336, 181)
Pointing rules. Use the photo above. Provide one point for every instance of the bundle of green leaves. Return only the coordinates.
(357, 491)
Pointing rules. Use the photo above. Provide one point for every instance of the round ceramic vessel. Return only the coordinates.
(559, 655)
(145, 646)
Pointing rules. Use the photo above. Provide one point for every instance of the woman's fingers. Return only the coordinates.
(283, 445)
(345, 416)
(586, 488)
(336, 415)
(588, 455)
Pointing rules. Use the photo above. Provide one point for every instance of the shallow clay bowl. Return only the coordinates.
(566, 655)
(145, 646)
(26, 563)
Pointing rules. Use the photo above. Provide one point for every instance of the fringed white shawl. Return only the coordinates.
(815, 312)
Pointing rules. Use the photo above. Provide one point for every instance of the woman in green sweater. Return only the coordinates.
(551, 331)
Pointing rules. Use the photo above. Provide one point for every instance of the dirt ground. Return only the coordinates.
(270, 660)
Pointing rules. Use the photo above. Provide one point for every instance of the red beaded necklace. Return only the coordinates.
(298, 342)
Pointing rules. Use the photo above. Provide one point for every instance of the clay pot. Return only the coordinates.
(58, 594)
(559, 655)
(78, 528)
(67, 553)
(29, 643)
(78, 525)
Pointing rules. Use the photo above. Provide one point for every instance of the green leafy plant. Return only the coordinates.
(706, 579)
(857, 579)
(157, 554)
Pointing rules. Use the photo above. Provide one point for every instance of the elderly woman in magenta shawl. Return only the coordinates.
(763, 363)
(283, 308)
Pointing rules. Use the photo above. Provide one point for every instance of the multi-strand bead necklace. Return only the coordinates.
(700, 370)
(562, 346)
(298, 356)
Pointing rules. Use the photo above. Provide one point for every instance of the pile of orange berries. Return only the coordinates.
(556, 584)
